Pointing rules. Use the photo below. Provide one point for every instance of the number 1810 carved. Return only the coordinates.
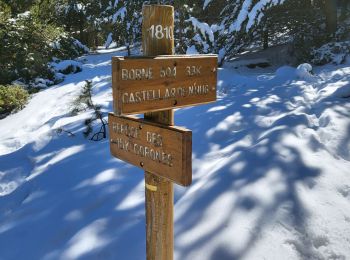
(159, 32)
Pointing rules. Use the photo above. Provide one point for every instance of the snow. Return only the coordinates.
(271, 171)
(204, 28)
(237, 62)
(24, 15)
(257, 11)
(206, 3)
(335, 52)
(120, 13)
(242, 16)
(191, 50)
(79, 45)
(66, 66)
(55, 45)
(304, 71)
(251, 13)
(109, 40)
(42, 83)
(221, 55)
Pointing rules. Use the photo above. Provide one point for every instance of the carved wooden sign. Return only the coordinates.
(144, 84)
(153, 147)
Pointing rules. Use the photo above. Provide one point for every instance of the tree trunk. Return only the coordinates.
(128, 48)
(81, 31)
(344, 9)
(330, 10)
(265, 38)
(159, 192)
(96, 41)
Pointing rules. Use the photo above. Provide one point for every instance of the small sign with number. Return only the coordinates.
(159, 32)
(143, 84)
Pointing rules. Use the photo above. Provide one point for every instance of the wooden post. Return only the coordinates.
(158, 39)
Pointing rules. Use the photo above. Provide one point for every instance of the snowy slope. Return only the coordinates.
(271, 162)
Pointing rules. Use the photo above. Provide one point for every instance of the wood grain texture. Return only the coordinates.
(159, 203)
(158, 15)
(180, 89)
(162, 150)
(154, 15)
(159, 228)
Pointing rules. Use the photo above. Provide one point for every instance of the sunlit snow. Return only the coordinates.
(271, 172)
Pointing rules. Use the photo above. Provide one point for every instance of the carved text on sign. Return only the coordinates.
(152, 147)
(129, 135)
(193, 70)
(163, 82)
(161, 94)
(159, 32)
(137, 74)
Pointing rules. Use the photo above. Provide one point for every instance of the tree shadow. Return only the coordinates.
(267, 146)
(74, 200)
(227, 181)
(77, 202)
(71, 200)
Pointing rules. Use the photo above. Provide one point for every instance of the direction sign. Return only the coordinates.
(144, 84)
(163, 150)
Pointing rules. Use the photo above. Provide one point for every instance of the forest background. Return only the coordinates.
(39, 39)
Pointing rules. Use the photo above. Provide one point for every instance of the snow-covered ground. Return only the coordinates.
(271, 173)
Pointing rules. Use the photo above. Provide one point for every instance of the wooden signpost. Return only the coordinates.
(155, 84)
(163, 82)
(153, 147)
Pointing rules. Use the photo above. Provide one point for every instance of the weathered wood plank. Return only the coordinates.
(163, 82)
(159, 149)
(159, 201)
(158, 30)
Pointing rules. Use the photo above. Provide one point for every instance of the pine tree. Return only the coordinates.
(127, 23)
(330, 11)
(84, 102)
(192, 31)
(262, 23)
(344, 11)
(18, 7)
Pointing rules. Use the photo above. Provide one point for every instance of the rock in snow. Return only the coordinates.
(304, 71)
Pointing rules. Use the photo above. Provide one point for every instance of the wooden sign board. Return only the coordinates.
(162, 150)
(145, 84)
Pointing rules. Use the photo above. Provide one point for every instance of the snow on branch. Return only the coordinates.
(120, 13)
(242, 16)
(258, 8)
(204, 28)
(206, 3)
(252, 14)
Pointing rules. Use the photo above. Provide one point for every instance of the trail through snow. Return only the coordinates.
(271, 176)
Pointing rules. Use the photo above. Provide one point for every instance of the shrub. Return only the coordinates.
(66, 66)
(84, 102)
(24, 51)
(12, 98)
(66, 47)
(333, 52)
(27, 46)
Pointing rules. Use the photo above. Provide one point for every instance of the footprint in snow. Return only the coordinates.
(344, 191)
(324, 121)
(314, 247)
